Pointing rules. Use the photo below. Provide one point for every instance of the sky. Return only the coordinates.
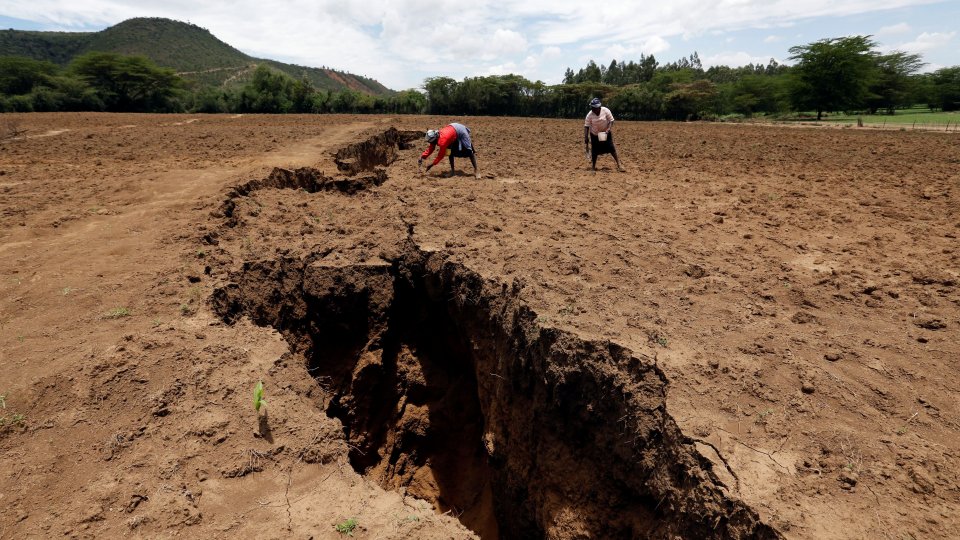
(402, 42)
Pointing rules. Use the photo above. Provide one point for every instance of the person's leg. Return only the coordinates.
(594, 141)
(451, 164)
(613, 152)
(473, 160)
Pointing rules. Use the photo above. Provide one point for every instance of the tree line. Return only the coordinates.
(100, 81)
(839, 74)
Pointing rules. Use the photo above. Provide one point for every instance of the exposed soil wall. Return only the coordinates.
(378, 151)
(448, 388)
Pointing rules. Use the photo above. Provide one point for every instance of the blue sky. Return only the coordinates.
(401, 42)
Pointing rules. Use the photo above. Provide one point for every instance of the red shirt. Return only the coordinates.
(448, 135)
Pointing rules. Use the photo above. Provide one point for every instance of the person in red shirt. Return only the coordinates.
(453, 141)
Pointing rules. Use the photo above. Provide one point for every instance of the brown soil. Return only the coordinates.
(753, 333)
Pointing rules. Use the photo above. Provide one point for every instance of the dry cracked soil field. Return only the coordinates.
(752, 333)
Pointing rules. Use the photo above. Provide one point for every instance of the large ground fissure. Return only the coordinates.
(449, 389)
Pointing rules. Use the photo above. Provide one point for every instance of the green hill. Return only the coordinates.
(195, 53)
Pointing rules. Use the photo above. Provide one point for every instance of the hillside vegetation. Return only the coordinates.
(191, 51)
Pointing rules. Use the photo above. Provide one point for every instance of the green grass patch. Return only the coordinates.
(117, 313)
(920, 117)
(346, 527)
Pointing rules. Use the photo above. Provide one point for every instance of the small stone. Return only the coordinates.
(714, 363)
(930, 323)
(807, 388)
(833, 356)
(849, 477)
(921, 480)
(695, 271)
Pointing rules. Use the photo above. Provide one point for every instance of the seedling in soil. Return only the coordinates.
(346, 527)
(15, 420)
(762, 416)
(117, 313)
(258, 400)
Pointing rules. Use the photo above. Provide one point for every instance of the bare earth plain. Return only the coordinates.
(754, 332)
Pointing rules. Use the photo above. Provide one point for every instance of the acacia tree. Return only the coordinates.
(20, 75)
(945, 89)
(127, 83)
(833, 74)
(893, 86)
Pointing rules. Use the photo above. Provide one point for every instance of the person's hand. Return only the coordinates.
(428, 167)
(419, 162)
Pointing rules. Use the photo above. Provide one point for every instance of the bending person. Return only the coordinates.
(598, 133)
(453, 141)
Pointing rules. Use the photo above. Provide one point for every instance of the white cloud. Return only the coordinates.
(501, 69)
(772, 39)
(733, 59)
(927, 42)
(551, 53)
(399, 42)
(654, 45)
(901, 28)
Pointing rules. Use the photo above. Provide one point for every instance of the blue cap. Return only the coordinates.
(595, 103)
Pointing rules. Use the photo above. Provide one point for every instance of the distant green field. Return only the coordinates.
(919, 117)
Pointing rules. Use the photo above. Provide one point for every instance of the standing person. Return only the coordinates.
(453, 140)
(597, 133)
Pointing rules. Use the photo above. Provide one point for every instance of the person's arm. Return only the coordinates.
(609, 121)
(426, 154)
(586, 135)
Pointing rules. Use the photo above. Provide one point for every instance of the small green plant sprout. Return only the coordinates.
(117, 313)
(346, 526)
(15, 420)
(763, 415)
(66, 290)
(258, 400)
